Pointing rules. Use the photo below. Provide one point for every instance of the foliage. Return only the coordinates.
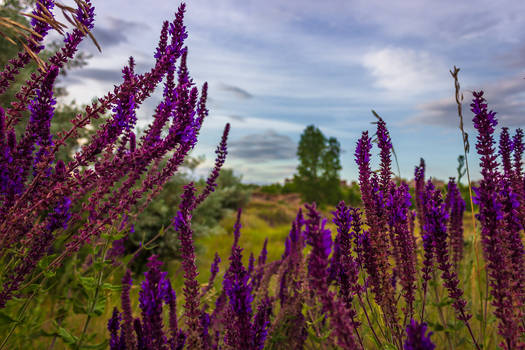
(317, 177)
(229, 195)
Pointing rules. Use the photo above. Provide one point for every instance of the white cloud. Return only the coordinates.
(406, 72)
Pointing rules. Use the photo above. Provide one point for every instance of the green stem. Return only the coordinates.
(441, 314)
(368, 320)
(95, 297)
(19, 318)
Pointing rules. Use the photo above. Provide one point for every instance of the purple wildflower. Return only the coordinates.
(344, 269)
(113, 328)
(518, 181)
(182, 224)
(456, 207)
(261, 324)
(154, 290)
(219, 162)
(128, 339)
(376, 261)
(435, 225)
(405, 251)
(385, 145)
(319, 238)
(239, 293)
(497, 242)
(417, 337)
(505, 151)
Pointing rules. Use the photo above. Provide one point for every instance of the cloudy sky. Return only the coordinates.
(276, 66)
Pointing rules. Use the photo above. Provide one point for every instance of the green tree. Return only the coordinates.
(331, 165)
(317, 175)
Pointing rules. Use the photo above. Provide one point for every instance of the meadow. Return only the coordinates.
(409, 268)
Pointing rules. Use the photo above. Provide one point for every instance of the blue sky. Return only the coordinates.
(276, 66)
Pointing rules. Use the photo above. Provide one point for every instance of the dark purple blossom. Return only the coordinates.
(128, 340)
(501, 249)
(182, 224)
(403, 243)
(320, 239)
(113, 328)
(261, 324)
(518, 180)
(239, 292)
(385, 145)
(436, 227)
(154, 291)
(417, 337)
(344, 268)
(455, 205)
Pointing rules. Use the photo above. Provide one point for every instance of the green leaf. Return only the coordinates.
(100, 305)
(112, 287)
(5, 319)
(456, 326)
(371, 338)
(103, 345)
(88, 283)
(66, 336)
(46, 260)
(79, 306)
(437, 327)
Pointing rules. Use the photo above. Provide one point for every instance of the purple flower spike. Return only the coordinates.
(404, 249)
(239, 292)
(154, 290)
(385, 145)
(344, 268)
(417, 337)
(518, 181)
(182, 224)
(341, 317)
(362, 155)
(456, 206)
(502, 248)
(128, 339)
(435, 225)
(113, 328)
(261, 324)
(221, 152)
(320, 239)
(505, 151)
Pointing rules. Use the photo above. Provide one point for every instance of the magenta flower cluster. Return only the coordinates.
(111, 177)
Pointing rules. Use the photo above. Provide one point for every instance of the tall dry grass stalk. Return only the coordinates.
(466, 148)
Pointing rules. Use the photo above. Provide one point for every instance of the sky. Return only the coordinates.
(275, 67)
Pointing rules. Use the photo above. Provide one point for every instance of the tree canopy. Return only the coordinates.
(317, 175)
